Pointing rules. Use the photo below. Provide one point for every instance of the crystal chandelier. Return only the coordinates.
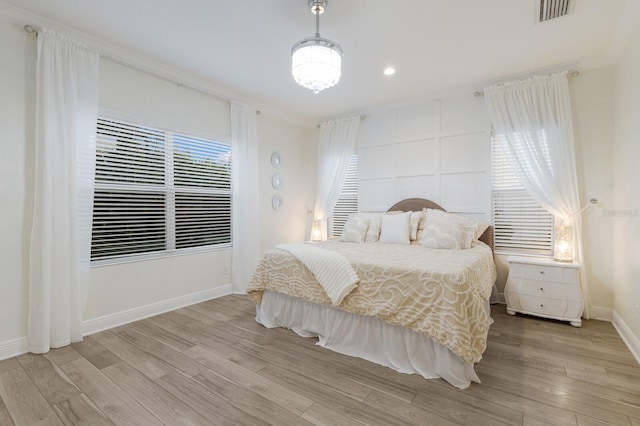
(316, 61)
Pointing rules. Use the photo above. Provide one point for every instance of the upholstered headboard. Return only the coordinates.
(417, 204)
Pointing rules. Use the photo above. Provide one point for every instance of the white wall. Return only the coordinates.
(298, 149)
(435, 149)
(121, 292)
(592, 98)
(17, 109)
(625, 210)
(153, 101)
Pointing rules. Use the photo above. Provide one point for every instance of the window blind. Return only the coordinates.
(347, 201)
(129, 154)
(202, 176)
(158, 191)
(127, 222)
(521, 225)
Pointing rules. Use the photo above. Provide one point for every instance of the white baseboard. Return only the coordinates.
(16, 347)
(607, 314)
(632, 341)
(12, 348)
(114, 320)
(601, 314)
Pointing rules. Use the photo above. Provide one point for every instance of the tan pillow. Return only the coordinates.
(417, 223)
(480, 228)
(423, 219)
(373, 233)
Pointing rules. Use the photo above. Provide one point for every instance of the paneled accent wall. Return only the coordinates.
(438, 149)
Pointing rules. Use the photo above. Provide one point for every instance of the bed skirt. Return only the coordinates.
(365, 337)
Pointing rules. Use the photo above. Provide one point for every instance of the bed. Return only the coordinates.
(415, 309)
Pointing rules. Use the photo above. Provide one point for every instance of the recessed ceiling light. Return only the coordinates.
(389, 71)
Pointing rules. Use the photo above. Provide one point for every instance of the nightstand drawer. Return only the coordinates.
(548, 290)
(550, 307)
(551, 273)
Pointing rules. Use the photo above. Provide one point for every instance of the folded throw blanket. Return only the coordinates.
(332, 270)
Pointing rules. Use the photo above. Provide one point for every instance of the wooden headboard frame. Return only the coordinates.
(417, 204)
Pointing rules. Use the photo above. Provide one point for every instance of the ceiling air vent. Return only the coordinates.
(551, 9)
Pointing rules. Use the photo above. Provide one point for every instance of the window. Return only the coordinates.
(521, 225)
(158, 191)
(348, 200)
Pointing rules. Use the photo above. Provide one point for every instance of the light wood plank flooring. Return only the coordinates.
(212, 364)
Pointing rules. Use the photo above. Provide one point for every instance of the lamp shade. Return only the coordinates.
(316, 63)
(316, 230)
(563, 244)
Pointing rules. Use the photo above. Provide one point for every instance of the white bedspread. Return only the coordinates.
(332, 270)
(439, 293)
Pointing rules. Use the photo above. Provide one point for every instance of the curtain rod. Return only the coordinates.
(362, 117)
(569, 74)
(32, 30)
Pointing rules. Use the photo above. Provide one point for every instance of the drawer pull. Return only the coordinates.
(541, 288)
(541, 305)
(541, 272)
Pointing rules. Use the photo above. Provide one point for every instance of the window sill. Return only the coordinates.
(523, 253)
(143, 257)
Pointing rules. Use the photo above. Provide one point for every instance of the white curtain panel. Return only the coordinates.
(244, 161)
(66, 115)
(338, 140)
(532, 119)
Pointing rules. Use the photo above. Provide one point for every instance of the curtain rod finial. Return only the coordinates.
(28, 28)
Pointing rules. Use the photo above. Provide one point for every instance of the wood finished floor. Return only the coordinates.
(212, 364)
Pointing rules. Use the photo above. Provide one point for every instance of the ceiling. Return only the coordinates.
(244, 45)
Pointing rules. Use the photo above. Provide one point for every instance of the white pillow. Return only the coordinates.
(395, 228)
(447, 231)
(373, 233)
(354, 230)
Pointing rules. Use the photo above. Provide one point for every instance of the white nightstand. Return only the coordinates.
(544, 288)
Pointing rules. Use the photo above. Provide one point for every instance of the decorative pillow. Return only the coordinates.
(423, 219)
(416, 223)
(414, 219)
(354, 230)
(373, 233)
(373, 222)
(480, 228)
(395, 228)
(447, 230)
